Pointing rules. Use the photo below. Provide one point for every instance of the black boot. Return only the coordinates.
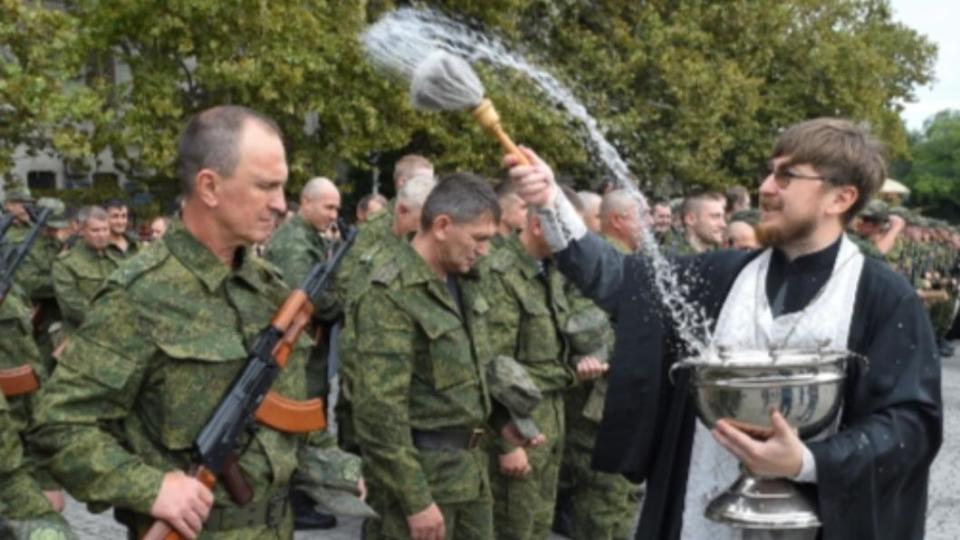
(305, 517)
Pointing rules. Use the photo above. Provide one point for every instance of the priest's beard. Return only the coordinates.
(777, 236)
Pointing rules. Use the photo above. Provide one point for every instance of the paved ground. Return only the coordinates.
(943, 518)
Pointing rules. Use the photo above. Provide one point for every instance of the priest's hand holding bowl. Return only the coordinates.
(780, 455)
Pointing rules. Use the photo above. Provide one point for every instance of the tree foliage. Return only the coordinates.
(933, 173)
(690, 91)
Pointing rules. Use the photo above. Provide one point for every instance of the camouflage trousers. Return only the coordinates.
(464, 502)
(523, 507)
(603, 505)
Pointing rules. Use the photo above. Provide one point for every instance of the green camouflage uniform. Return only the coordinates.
(162, 343)
(16, 234)
(352, 285)
(528, 305)
(21, 498)
(35, 276)
(77, 275)
(295, 248)
(867, 247)
(422, 370)
(603, 505)
(133, 247)
(371, 235)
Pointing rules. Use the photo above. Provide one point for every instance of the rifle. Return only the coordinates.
(250, 399)
(19, 380)
(10, 260)
(5, 223)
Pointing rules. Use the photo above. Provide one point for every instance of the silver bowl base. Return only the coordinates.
(764, 503)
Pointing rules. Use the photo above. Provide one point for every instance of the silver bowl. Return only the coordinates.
(742, 387)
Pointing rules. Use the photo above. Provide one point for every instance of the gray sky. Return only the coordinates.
(937, 19)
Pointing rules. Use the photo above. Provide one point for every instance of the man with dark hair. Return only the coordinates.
(123, 245)
(703, 223)
(810, 289)
(738, 199)
(164, 340)
(662, 217)
(420, 396)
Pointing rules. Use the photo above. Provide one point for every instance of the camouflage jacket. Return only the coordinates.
(295, 248)
(20, 495)
(17, 348)
(77, 275)
(16, 233)
(371, 236)
(35, 276)
(528, 306)
(423, 365)
(162, 343)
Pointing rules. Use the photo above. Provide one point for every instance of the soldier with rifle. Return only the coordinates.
(150, 409)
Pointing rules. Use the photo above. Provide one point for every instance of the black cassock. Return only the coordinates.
(871, 476)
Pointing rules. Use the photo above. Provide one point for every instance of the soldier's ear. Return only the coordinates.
(207, 187)
(441, 226)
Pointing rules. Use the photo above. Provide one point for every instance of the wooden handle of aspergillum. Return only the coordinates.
(488, 118)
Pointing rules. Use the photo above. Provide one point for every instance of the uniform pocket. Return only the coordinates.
(197, 373)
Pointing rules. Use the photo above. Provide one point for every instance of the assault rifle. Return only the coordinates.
(250, 399)
(18, 380)
(11, 259)
(5, 223)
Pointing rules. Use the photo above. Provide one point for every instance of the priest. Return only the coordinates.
(809, 285)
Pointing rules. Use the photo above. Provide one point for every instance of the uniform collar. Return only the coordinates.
(200, 261)
(529, 266)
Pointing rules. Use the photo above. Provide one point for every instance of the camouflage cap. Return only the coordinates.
(329, 476)
(876, 210)
(58, 216)
(511, 385)
(16, 190)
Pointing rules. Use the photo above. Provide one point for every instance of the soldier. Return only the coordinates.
(369, 205)
(704, 222)
(741, 232)
(21, 499)
(35, 277)
(662, 216)
(295, 248)
(123, 244)
(591, 209)
(528, 306)
(17, 198)
(621, 221)
(80, 272)
(513, 211)
(158, 227)
(420, 396)
(165, 338)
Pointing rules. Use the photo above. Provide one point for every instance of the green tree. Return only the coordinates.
(45, 103)
(690, 91)
(934, 171)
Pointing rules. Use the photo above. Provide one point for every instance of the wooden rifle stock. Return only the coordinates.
(18, 381)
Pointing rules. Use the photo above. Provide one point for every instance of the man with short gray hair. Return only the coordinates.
(591, 209)
(620, 220)
(80, 272)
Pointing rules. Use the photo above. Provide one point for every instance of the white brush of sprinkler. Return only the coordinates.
(445, 82)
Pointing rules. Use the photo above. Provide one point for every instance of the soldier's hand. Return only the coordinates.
(589, 368)
(512, 435)
(183, 502)
(427, 524)
(56, 498)
(515, 464)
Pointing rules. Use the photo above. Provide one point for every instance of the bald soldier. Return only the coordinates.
(165, 338)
